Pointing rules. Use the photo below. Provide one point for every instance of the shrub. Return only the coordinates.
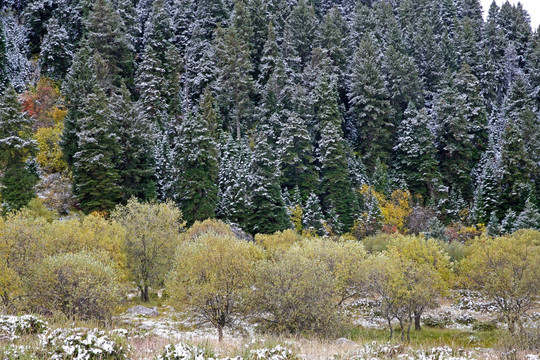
(184, 352)
(295, 294)
(152, 235)
(208, 226)
(276, 353)
(83, 344)
(344, 259)
(11, 327)
(278, 242)
(378, 243)
(79, 285)
(484, 326)
(212, 276)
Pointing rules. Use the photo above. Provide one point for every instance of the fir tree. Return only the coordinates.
(267, 208)
(234, 181)
(403, 81)
(136, 163)
(17, 65)
(415, 153)
(519, 147)
(336, 190)
(56, 54)
(105, 36)
(493, 228)
(80, 81)
(529, 218)
(370, 104)
(16, 146)
(96, 178)
(3, 59)
(234, 83)
(300, 32)
(507, 224)
(313, 220)
(198, 157)
(296, 156)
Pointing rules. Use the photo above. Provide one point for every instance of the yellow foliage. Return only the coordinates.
(506, 269)
(297, 214)
(208, 226)
(50, 157)
(212, 277)
(396, 209)
(278, 242)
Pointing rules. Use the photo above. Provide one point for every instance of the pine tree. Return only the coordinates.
(370, 104)
(198, 158)
(56, 54)
(105, 36)
(336, 189)
(519, 147)
(16, 146)
(3, 60)
(136, 163)
(234, 181)
(529, 218)
(493, 228)
(296, 156)
(415, 154)
(313, 219)
(235, 82)
(267, 208)
(96, 177)
(80, 81)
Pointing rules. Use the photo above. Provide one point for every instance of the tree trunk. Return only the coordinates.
(417, 325)
(402, 330)
(390, 327)
(144, 293)
(409, 331)
(220, 333)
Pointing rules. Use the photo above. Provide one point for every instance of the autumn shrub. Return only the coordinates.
(212, 278)
(208, 226)
(277, 242)
(378, 242)
(505, 270)
(82, 285)
(295, 294)
(152, 235)
(346, 261)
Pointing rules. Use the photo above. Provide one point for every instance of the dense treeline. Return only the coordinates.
(273, 114)
(286, 283)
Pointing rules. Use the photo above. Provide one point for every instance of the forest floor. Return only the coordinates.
(464, 327)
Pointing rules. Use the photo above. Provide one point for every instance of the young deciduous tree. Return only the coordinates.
(506, 270)
(212, 276)
(152, 234)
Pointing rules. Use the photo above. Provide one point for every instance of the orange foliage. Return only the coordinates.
(42, 104)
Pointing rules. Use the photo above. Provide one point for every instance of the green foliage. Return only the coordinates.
(212, 277)
(152, 234)
(199, 162)
(81, 285)
(506, 270)
(295, 294)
